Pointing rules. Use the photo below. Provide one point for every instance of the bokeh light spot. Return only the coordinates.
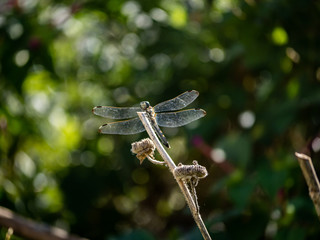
(316, 144)
(15, 30)
(105, 145)
(40, 182)
(21, 58)
(159, 15)
(279, 36)
(218, 155)
(129, 44)
(50, 199)
(58, 117)
(124, 204)
(247, 119)
(2, 20)
(143, 21)
(40, 102)
(293, 55)
(25, 164)
(178, 16)
(9, 187)
(271, 229)
(216, 55)
(293, 88)
(290, 209)
(138, 193)
(130, 9)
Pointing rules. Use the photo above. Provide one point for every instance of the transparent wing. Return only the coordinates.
(116, 112)
(181, 118)
(126, 127)
(178, 102)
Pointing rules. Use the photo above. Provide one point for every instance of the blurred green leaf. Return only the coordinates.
(271, 180)
(241, 192)
(237, 147)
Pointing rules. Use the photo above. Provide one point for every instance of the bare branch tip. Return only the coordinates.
(302, 156)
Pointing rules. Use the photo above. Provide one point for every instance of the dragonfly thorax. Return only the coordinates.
(144, 105)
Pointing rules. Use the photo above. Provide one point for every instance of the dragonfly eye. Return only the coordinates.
(144, 105)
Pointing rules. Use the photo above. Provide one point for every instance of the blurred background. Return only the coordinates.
(256, 65)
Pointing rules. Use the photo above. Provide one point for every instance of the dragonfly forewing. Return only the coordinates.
(116, 112)
(181, 118)
(178, 102)
(126, 127)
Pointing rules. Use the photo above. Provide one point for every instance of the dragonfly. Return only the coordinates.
(164, 114)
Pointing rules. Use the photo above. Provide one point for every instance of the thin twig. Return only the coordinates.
(29, 229)
(154, 161)
(196, 215)
(311, 179)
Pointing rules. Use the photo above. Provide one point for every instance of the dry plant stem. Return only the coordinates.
(311, 179)
(29, 229)
(167, 159)
(154, 161)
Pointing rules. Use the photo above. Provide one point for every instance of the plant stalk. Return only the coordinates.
(311, 179)
(185, 190)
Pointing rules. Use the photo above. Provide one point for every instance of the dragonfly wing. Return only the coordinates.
(178, 102)
(126, 127)
(181, 118)
(116, 112)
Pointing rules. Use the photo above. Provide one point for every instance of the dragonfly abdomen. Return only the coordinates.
(161, 135)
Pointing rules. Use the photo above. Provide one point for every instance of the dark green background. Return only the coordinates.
(58, 59)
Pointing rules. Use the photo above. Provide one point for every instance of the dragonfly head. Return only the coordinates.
(144, 105)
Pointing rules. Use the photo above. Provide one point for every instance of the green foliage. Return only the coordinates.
(256, 66)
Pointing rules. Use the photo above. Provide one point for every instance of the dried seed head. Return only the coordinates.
(143, 148)
(190, 171)
(190, 175)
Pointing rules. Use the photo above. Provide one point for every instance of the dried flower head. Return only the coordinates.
(186, 172)
(190, 175)
(144, 148)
